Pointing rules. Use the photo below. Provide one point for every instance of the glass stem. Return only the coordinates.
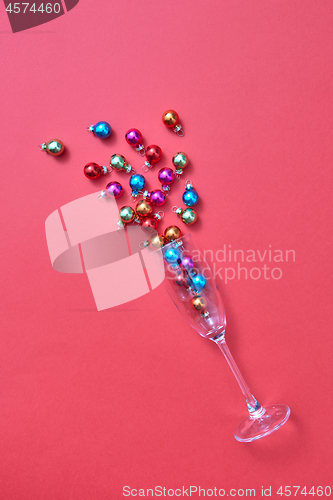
(255, 408)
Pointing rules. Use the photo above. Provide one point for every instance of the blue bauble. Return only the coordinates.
(190, 198)
(172, 255)
(137, 182)
(198, 282)
(102, 130)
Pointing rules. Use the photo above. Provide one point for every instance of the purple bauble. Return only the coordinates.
(157, 197)
(133, 137)
(166, 176)
(187, 262)
(114, 189)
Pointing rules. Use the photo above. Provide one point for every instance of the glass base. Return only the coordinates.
(266, 421)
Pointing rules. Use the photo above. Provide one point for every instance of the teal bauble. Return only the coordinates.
(198, 282)
(190, 196)
(172, 255)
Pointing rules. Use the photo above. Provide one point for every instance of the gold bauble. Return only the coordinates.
(199, 304)
(172, 233)
(170, 118)
(143, 208)
(157, 241)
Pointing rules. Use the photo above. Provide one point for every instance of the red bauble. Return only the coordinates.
(149, 225)
(179, 280)
(92, 170)
(153, 153)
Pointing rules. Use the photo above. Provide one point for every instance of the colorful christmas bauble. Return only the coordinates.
(92, 170)
(133, 137)
(149, 224)
(137, 182)
(153, 154)
(198, 282)
(187, 262)
(143, 208)
(188, 216)
(118, 162)
(199, 304)
(114, 189)
(170, 119)
(180, 161)
(53, 147)
(166, 176)
(157, 197)
(101, 129)
(172, 233)
(172, 255)
(126, 214)
(190, 196)
(157, 241)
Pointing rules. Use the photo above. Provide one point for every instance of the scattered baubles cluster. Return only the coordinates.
(142, 214)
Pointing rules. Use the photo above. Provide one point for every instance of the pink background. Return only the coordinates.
(93, 401)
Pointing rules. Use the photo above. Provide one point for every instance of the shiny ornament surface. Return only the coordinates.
(189, 216)
(153, 153)
(157, 241)
(190, 197)
(157, 197)
(114, 189)
(55, 147)
(199, 304)
(118, 162)
(126, 214)
(149, 224)
(172, 255)
(166, 176)
(172, 233)
(92, 170)
(187, 262)
(179, 280)
(170, 118)
(180, 160)
(102, 130)
(198, 282)
(143, 208)
(133, 137)
(137, 182)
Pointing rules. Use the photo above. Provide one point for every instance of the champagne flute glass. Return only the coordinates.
(191, 286)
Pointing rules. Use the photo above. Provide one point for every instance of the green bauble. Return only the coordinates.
(180, 160)
(117, 162)
(54, 147)
(189, 216)
(126, 214)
